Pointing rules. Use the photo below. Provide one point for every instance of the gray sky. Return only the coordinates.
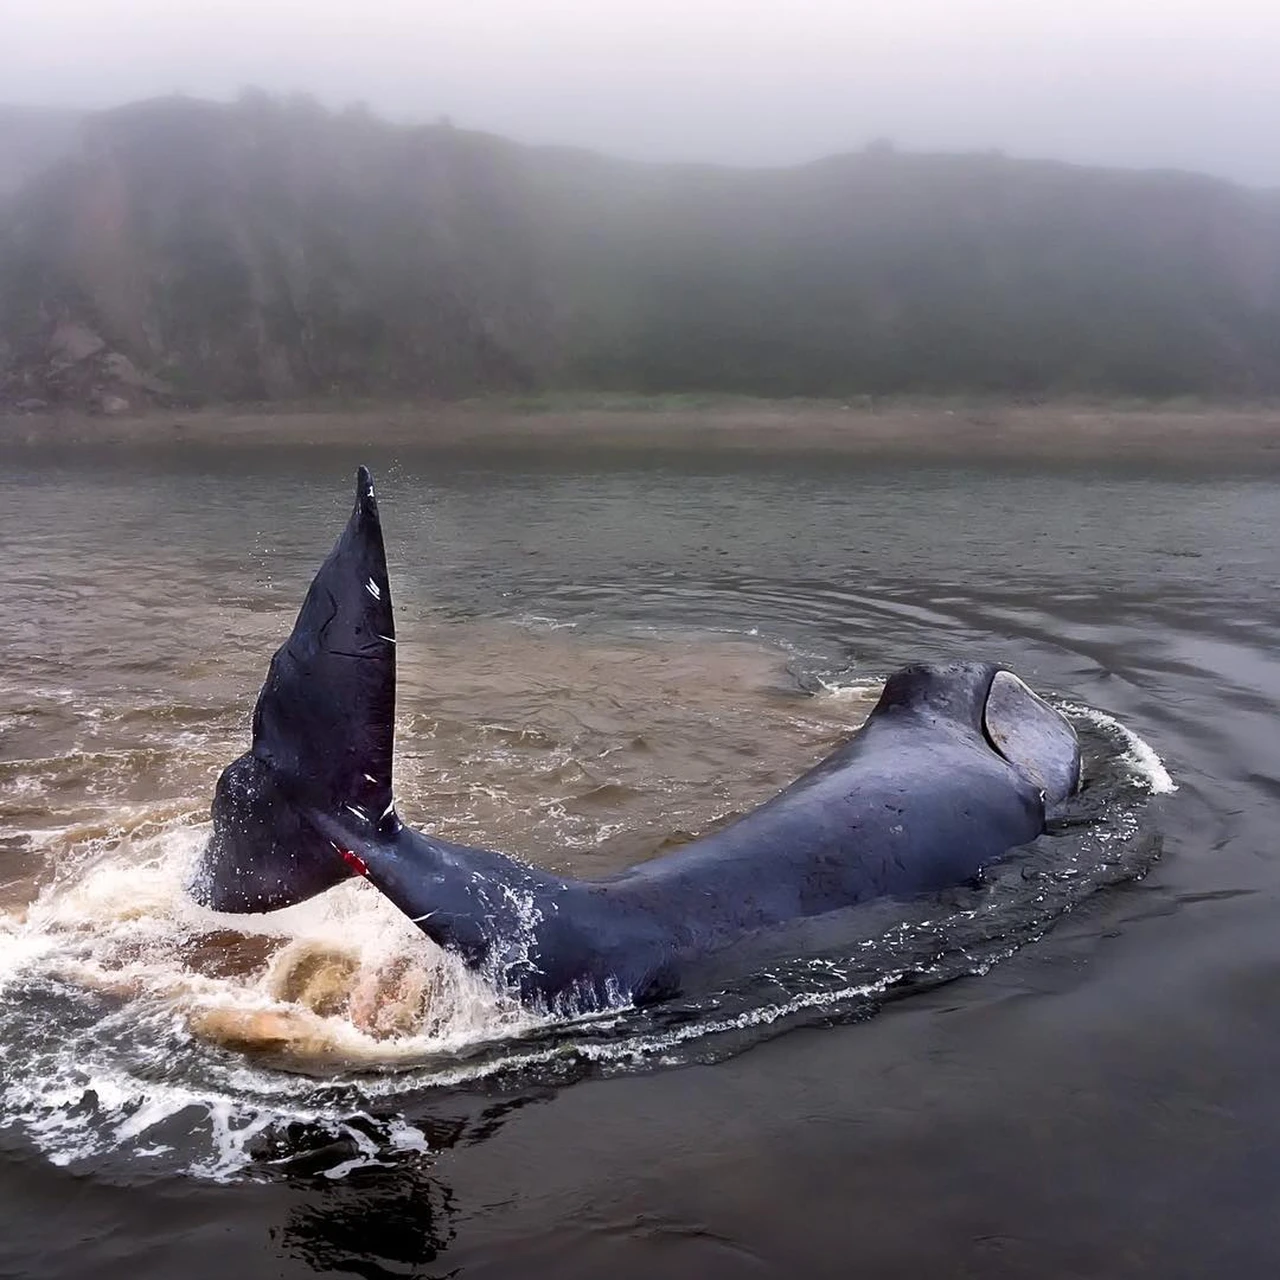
(1187, 83)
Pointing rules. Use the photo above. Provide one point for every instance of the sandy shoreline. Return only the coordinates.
(1231, 436)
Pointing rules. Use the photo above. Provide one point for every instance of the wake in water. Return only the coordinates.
(138, 1029)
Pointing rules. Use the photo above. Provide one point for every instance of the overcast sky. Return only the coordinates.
(1187, 83)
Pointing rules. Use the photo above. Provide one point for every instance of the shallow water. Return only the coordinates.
(599, 658)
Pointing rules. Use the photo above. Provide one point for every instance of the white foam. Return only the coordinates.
(1138, 754)
(540, 622)
(848, 689)
(139, 1082)
(76, 1112)
(119, 923)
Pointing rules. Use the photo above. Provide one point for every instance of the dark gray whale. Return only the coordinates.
(955, 766)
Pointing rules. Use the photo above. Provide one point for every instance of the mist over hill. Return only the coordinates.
(32, 139)
(185, 251)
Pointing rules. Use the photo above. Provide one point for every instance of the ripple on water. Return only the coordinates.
(139, 1031)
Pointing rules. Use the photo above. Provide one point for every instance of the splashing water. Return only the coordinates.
(139, 1028)
(124, 1005)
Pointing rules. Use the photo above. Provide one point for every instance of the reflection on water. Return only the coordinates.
(408, 1218)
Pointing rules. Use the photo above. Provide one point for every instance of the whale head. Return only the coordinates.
(986, 700)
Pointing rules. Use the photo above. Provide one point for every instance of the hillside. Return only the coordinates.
(33, 139)
(190, 251)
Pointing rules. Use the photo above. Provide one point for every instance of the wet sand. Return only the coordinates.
(1152, 436)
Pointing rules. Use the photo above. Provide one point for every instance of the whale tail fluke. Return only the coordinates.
(323, 732)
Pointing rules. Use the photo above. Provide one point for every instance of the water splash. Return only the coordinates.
(138, 1027)
(1135, 751)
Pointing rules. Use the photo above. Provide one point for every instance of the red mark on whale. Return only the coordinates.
(355, 862)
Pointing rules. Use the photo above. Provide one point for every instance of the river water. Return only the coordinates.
(1067, 1069)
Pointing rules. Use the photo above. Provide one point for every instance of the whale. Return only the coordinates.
(957, 764)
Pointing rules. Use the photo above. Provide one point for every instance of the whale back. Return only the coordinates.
(997, 707)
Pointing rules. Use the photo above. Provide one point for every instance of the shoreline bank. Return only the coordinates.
(1225, 435)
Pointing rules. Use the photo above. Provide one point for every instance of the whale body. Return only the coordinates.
(956, 765)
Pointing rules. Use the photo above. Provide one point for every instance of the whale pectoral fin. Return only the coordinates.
(323, 735)
(1032, 736)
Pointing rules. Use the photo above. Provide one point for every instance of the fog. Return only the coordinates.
(1122, 82)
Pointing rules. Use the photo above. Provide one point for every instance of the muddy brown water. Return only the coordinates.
(1068, 1069)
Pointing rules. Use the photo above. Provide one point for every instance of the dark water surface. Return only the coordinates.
(1072, 1069)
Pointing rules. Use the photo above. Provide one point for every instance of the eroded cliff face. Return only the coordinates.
(264, 252)
(185, 251)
